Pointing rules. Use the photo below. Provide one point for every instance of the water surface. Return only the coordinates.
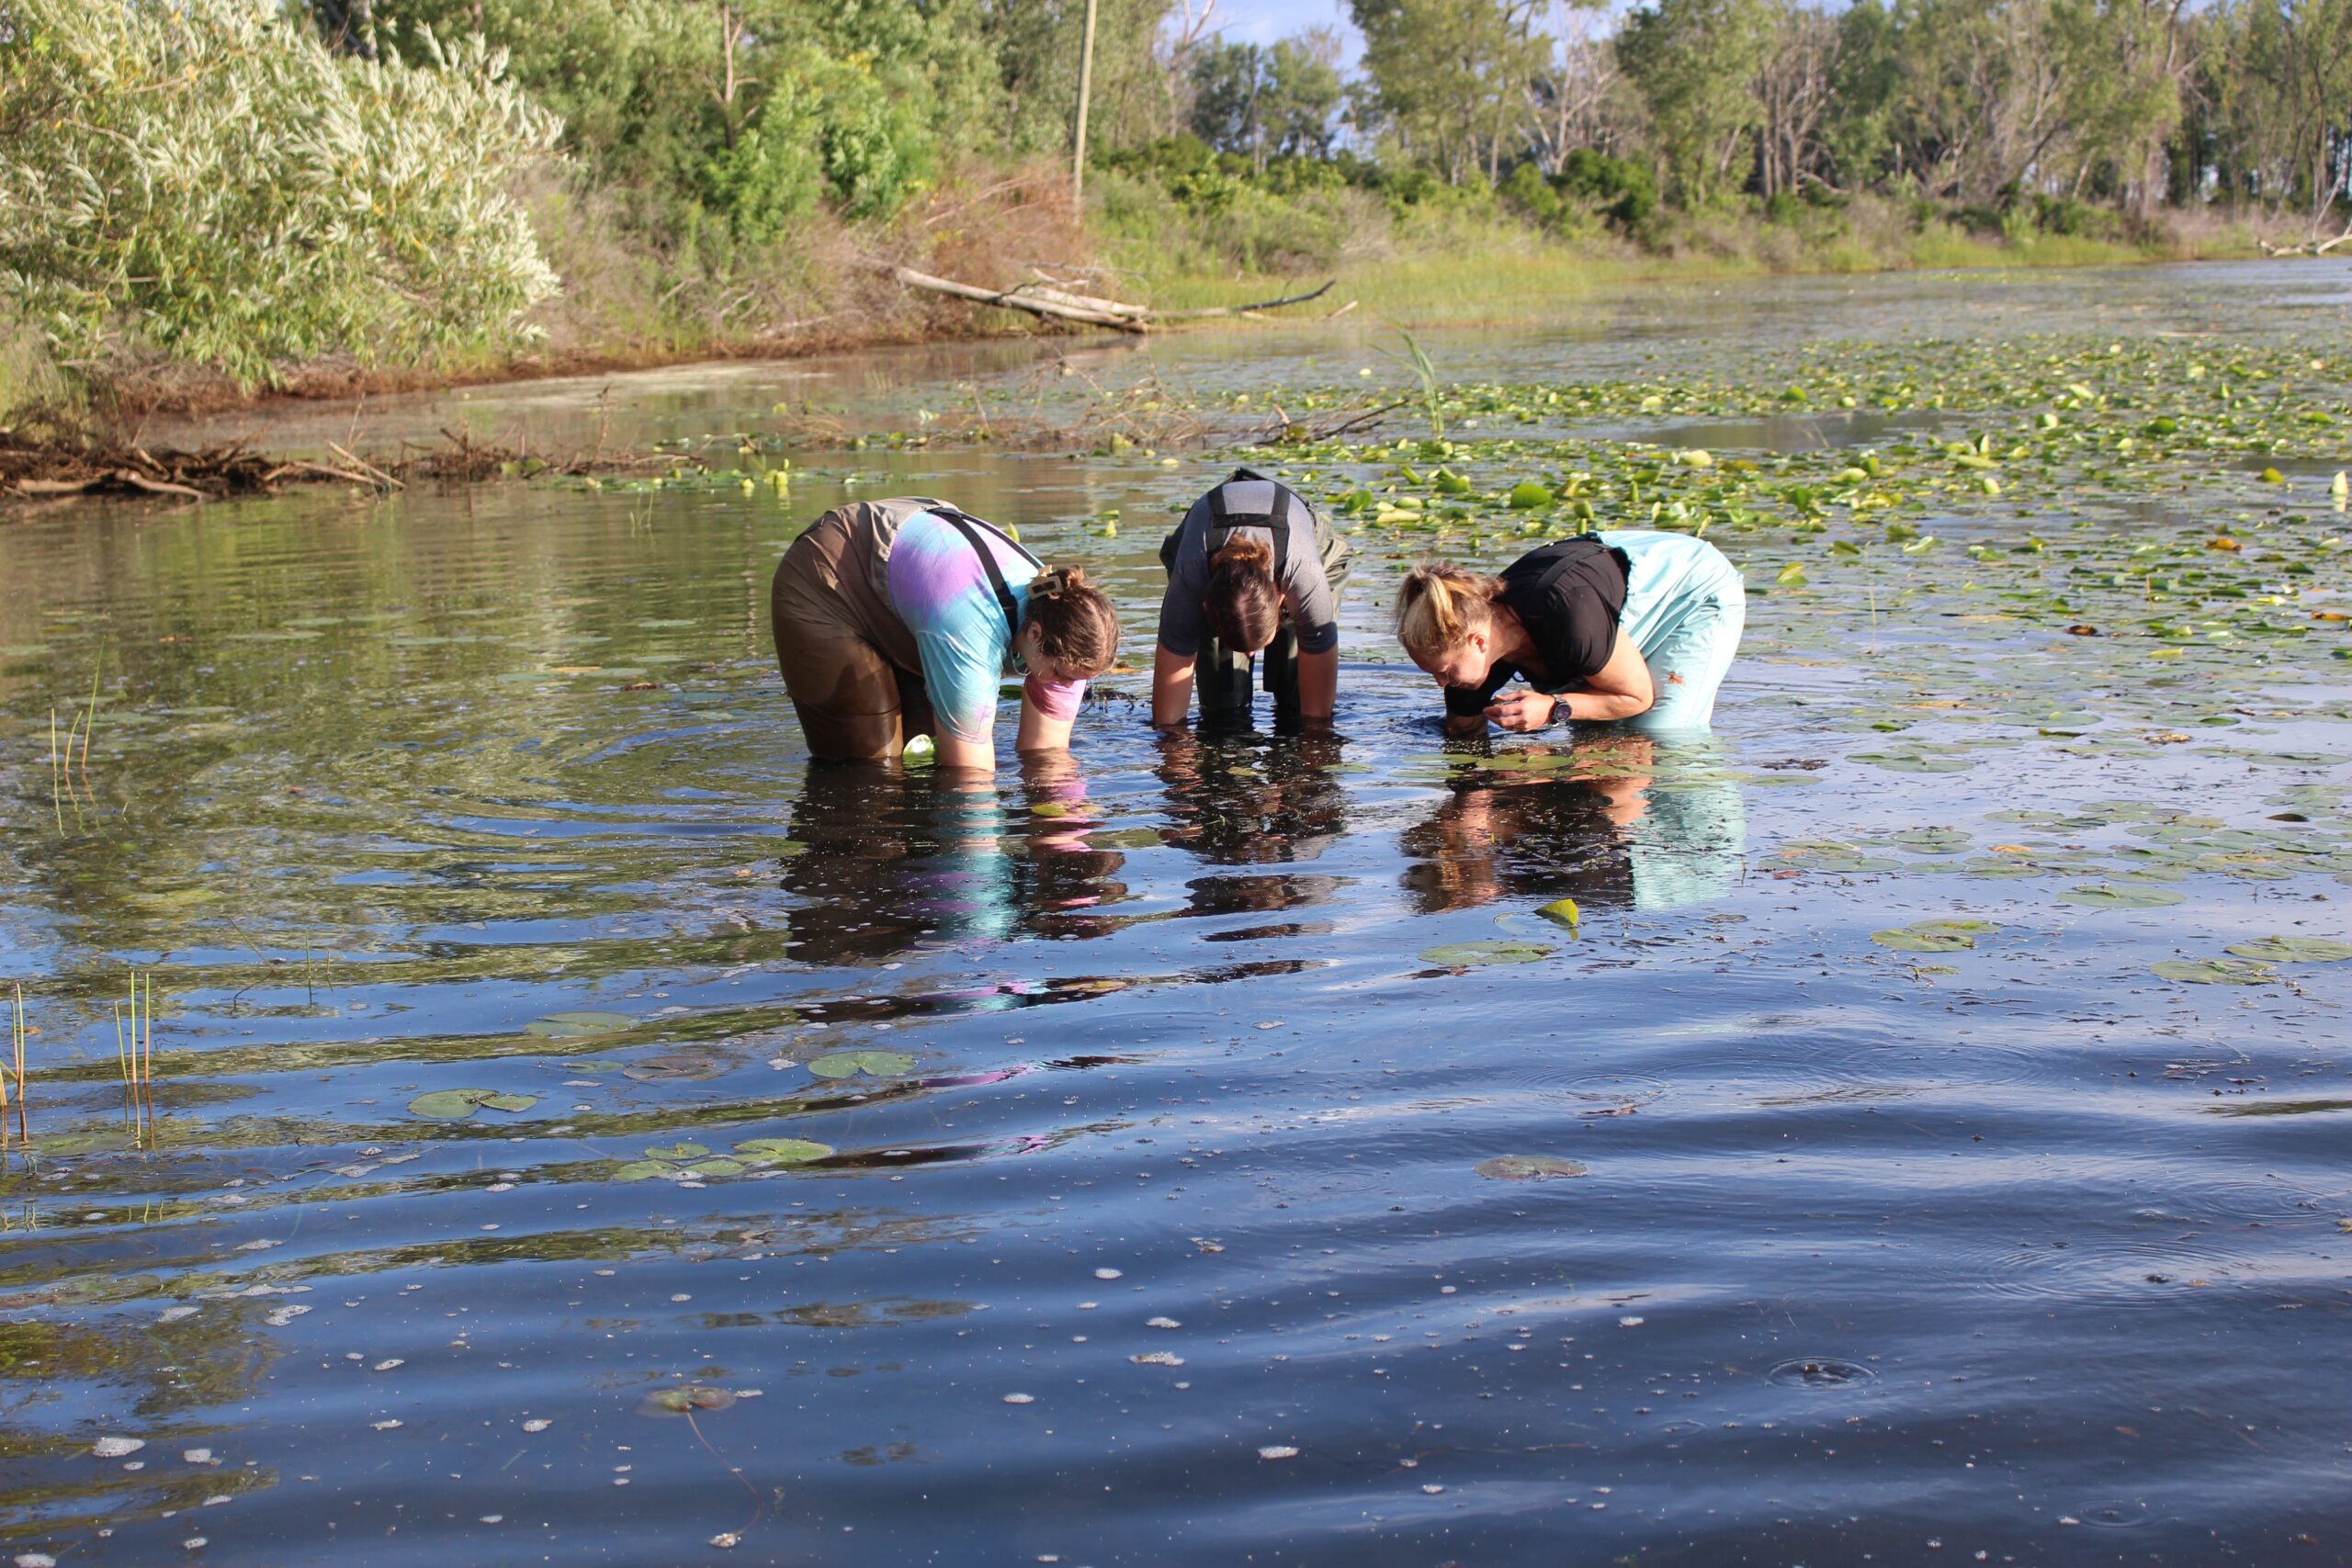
(1084, 1168)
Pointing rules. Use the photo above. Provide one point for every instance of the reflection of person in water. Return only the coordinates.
(1237, 803)
(1604, 830)
(889, 862)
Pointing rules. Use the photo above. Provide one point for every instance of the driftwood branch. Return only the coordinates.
(1034, 298)
(1058, 304)
(2314, 247)
(133, 478)
(1244, 310)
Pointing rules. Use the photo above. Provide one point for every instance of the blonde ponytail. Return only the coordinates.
(1440, 605)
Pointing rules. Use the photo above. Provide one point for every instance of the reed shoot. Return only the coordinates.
(90, 720)
(134, 1050)
(17, 1056)
(20, 1030)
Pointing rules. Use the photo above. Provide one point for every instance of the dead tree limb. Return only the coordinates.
(158, 487)
(2313, 247)
(1035, 301)
(1058, 304)
(1243, 310)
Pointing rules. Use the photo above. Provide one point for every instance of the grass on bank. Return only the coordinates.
(1488, 272)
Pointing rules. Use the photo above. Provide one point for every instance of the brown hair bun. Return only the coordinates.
(1078, 626)
(1243, 602)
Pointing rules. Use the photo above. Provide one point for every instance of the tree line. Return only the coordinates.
(2133, 104)
(242, 183)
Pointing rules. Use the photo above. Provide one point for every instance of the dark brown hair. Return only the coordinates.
(1076, 627)
(1244, 606)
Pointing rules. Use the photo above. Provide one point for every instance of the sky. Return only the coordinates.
(1263, 21)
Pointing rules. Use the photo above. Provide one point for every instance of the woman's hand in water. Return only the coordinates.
(1521, 710)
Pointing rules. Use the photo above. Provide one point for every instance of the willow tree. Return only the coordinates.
(207, 182)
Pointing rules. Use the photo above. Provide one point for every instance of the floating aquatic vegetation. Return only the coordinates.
(574, 1025)
(676, 1066)
(687, 1161)
(1935, 936)
(2123, 896)
(1529, 1167)
(2216, 971)
(783, 1151)
(1471, 955)
(2293, 950)
(458, 1104)
(850, 1064)
(686, 1400)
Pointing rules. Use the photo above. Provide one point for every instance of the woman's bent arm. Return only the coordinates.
(1619, 689)
(1040, 731)
(974, 756)
(1318, 683)
(1172, 687)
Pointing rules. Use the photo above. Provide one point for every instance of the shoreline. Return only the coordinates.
(1414, 293)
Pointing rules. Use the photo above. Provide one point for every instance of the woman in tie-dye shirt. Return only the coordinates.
(897, 618)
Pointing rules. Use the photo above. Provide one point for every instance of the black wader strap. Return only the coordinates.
(1223, 522)
(970, 528)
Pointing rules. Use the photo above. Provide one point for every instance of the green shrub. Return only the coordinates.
(1528, 192)
(1620, 189)
(205, 181)
(827, 128)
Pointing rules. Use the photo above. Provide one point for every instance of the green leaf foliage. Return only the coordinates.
(207, 182)
(849, 1064)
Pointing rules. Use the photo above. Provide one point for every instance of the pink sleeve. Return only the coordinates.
(1055, 699)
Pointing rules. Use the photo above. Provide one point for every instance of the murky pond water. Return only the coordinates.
(580, 1132)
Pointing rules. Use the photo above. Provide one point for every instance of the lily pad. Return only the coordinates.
(1529, 1167)
(457, 1104)
(2123, 896)
(2294, 949)
(642, 1170)
(1934, 936)
(1469, 955)
(1562, 912)
(1932, 841)
(1912, 762)
(571, 1025)
(676, 1066)
(849, 1064)
(678, 1151)
(783, 1151)
(2215, 971)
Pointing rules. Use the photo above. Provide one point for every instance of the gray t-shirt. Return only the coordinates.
(1183, 622)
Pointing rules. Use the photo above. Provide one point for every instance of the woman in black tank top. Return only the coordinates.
(1551, 618)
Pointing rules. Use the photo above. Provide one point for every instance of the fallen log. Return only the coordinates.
(2313, 247)
(1037, 301)
(138, 481)
(1045, 301)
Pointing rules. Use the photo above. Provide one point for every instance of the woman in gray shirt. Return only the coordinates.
(1249, 569)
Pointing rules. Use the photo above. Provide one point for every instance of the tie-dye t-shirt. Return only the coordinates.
(941, 589)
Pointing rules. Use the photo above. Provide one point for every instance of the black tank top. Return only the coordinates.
(1569, 596)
